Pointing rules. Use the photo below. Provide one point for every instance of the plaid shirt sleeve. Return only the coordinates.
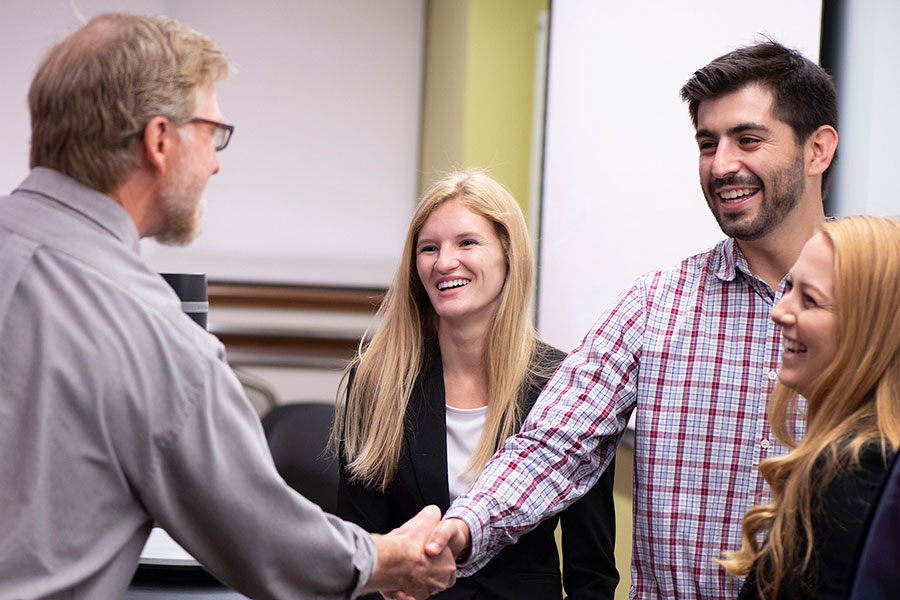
(567, 441)
(693, 354)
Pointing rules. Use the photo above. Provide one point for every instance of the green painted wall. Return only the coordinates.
(500, 89)
(479, 88)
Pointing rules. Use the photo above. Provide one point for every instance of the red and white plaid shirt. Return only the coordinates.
(693, 354)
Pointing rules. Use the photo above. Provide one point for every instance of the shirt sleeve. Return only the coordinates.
(567, 441)
(213, 486)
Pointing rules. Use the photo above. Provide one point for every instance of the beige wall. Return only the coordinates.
(479, 89)
(622, 496)
(443, 111)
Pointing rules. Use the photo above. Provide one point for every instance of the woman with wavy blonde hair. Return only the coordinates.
(451, 370)
(841, 352)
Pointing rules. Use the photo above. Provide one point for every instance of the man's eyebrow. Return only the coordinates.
(749, 126)
(739, 128)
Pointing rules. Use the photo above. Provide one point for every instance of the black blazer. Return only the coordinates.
(878, 575)
(839, 526)
(527, 569)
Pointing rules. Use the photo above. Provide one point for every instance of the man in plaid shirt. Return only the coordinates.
(691, 352)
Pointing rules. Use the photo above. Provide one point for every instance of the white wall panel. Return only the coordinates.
(320, 179)
(621, 191)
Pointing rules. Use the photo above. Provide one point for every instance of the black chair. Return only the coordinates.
(298, 434)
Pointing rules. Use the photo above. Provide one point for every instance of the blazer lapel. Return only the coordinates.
(426, 433)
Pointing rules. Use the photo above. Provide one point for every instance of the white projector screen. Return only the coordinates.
(621, 195)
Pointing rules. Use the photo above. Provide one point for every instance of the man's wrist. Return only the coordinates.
(460, 542)
(371, 585)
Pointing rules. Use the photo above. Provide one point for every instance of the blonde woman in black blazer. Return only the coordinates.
(841, 353)
(455, 332)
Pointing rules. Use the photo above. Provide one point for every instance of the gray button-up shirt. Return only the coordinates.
(116, 409)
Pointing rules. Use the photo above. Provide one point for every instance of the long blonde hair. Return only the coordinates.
(854, 402)
(371, 415)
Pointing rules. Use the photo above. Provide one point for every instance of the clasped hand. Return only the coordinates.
(405, 570)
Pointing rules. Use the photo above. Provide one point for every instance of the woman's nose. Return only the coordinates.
(446, 261)
(781, 312)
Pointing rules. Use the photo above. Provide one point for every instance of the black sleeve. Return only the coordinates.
(588, 542)
(839, 526)
(877, 576)
(839, 517)
(588, 526)
(360, 504)
(749, 590)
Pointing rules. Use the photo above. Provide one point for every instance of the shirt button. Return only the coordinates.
(764, 444)
(773, 375)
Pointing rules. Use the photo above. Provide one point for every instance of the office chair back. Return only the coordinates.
(298, 435)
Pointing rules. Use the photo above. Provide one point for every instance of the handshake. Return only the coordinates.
(418, 559)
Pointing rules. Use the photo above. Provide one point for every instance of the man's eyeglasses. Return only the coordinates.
(222, 134)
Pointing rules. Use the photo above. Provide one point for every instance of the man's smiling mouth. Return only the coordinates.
(736, 195)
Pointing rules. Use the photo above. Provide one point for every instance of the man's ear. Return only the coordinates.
(160, 140)
(822, 144)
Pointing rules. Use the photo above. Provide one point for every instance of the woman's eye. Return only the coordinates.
(425, 249)
(468, 243)
(809, 300)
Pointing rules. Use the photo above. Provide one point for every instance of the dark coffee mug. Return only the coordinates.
(191, 289)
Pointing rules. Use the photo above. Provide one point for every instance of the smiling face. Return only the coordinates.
(807, 317)
(461, 264)
(751, 169)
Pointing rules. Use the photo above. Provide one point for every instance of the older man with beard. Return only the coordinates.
(115, 409)
(690, 352)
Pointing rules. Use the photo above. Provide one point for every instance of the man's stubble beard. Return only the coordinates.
(181, 206)
(780, 197)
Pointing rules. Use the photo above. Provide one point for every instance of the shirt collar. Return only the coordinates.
(730, 260)
(100, 209)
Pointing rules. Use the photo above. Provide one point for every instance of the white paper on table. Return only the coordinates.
(161, 549)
